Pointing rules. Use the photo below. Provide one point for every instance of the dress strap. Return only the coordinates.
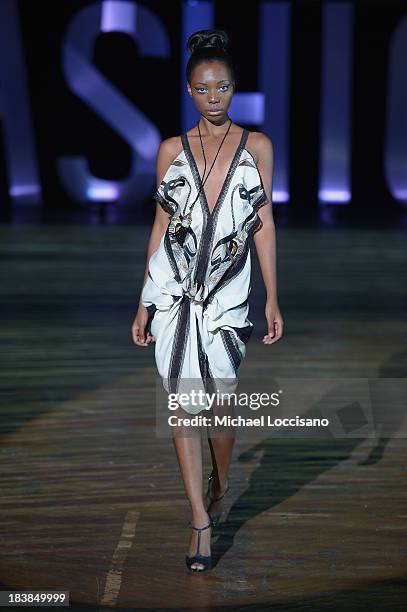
(245, 135)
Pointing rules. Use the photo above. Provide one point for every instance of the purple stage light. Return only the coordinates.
(280, 196)
(332, 195)
(107, 193)
(118, 16)
(247, 107)
(395, 149)
(22, 190)
(336, 103)
(274, 79)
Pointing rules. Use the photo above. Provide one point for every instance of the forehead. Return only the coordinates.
(211, 72)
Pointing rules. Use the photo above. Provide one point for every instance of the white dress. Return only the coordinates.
(199, 277)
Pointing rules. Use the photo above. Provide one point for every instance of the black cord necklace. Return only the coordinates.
(204, 156)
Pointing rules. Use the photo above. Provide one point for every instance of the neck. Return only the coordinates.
(214, 129)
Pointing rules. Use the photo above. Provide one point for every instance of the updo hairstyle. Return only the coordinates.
(209, 46)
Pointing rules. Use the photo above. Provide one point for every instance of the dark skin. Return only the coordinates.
(212, 87)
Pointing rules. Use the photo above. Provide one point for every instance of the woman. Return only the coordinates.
(194, 300)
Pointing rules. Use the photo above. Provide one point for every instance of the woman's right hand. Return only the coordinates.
(138, 329)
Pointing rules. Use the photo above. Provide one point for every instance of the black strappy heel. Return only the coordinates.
(215, 517)
(206, 561)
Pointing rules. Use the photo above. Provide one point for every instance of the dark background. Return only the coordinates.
(65, 125)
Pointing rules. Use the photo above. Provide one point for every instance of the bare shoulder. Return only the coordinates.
(170, 147)
(260, 146)
(168, 150)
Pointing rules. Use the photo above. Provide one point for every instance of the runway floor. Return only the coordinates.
(92, 500)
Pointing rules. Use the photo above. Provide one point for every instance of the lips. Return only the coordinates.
(215, 110)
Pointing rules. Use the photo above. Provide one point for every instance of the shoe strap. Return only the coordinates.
(199, 530)
(224, 492)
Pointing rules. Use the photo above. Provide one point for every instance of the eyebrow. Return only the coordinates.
(202, 83)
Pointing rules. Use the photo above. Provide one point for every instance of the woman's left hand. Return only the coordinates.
(275, 322)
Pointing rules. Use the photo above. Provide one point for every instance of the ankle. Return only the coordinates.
(200, 517)
(220, 484)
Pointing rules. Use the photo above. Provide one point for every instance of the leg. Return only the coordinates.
(221, 441)
(221, 452)
(189, 454)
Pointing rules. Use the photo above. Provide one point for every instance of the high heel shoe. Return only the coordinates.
(206, 561)
(215, 517)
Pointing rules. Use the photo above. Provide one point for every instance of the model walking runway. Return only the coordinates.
(199, 278)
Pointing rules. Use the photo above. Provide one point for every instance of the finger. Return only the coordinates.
(134, 332)
(277, 327)
(275, 339)
(142, 333)
(139, 336)
(272, 330)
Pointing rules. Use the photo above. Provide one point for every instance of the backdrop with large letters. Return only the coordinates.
(88, 89)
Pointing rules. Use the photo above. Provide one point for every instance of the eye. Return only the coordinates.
(202, 89)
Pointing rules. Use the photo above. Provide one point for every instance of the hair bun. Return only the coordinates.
(208, 38)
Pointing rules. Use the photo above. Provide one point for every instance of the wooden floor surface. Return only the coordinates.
(92, 500)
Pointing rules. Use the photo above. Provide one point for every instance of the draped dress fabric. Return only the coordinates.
(198, 281)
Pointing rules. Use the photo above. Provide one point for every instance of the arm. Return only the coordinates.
(165, 155)
(265, 240)
(157, 232)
